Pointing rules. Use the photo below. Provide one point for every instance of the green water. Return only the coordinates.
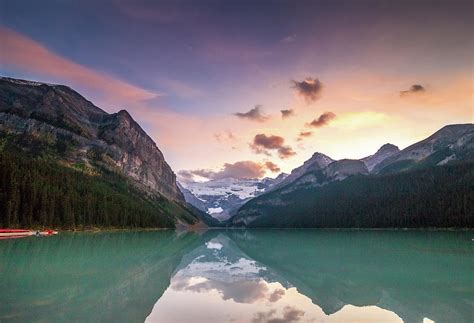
(239, 275)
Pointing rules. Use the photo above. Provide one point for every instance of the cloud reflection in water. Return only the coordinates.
(217, 282)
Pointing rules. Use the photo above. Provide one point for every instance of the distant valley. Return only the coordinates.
(221, 198)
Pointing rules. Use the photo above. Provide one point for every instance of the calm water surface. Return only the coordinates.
(239, 276)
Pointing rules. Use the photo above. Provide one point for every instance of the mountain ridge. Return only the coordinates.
(337, 186)
(445, 139)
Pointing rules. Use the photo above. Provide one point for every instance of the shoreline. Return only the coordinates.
(93, 230)
(192, 228)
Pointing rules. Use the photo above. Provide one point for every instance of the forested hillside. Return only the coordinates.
(65, 163)
(441, 196)
(40, 192)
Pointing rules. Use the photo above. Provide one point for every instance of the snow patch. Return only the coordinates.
(213, 210)
(447, 159)
(214, 245)
(243, 189)
(223, 269)
(222, 195)
(24, 82)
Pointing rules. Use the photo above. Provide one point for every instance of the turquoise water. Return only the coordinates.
(239, 276)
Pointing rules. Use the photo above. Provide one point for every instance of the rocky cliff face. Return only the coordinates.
(54, 117)
(138, 156)
(383, 153)
(341, 169)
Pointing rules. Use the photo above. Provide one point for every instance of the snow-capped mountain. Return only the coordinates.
(221, 197)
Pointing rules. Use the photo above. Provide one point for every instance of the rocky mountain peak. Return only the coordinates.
(126, 118)
(281, 177)
(319, 159)
(388, 148)
(384, 152)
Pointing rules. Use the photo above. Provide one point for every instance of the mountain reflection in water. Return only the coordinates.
(240, 276)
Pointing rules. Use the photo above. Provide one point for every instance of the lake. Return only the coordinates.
(239, 276)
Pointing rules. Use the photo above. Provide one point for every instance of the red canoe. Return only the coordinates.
(10, 233)
(20, 233)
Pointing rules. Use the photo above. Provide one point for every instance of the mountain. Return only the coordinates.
(55, 124)
(317, 176)
(344, 168)
(221, 198)
(191, 199)
(383, 153)
(451, 143)
(39, 110)
(317, 161)
(426, 184)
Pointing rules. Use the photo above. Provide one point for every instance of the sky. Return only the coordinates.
(254, 88)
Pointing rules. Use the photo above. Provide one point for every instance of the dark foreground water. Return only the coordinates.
(240, 276)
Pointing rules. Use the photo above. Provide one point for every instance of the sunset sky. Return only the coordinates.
(252, 88)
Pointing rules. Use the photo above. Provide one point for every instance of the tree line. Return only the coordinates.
(441, 196)
(37, 192)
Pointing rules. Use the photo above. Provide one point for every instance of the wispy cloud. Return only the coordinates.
(185, 176)
(322, 120)
(255, 114)
(290, 314)
(225, 136)
(182, 89)
(23, 53)
(239, 170)
(414, 89)
(287, 113)
(304, 134)
(288, 39)
(310, 89)
(272, 166)
(263, 144)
